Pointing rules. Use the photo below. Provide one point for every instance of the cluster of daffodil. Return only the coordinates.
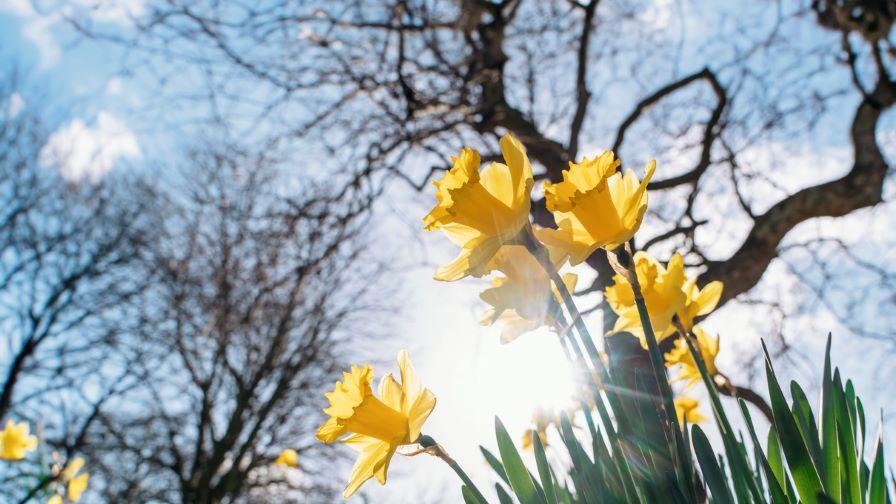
(485, 211)
(71, 481)
(16, 441)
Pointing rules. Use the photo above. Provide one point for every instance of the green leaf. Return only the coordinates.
(830, 445)
(877, 487)
(503, 496)
(774, 478)
(544, 470)
(849, 458)
(495, 463)
(712, 474)
(802, 411)
(805, 477)
(520, 480)
(470, 496)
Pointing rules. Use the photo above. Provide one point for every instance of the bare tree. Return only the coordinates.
(67, 249)
(256, 299)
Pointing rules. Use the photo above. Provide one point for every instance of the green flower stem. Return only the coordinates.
(435, 449)
(541, 254)
(667, 412)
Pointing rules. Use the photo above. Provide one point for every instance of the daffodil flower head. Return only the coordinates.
(688, 409)
(681, 356)
(15, 441)
(376, 425)
(597, 207)
(521, 299)
(287, 458)
(481, 210)
(542, 419)
(77, 481)
(662, 288)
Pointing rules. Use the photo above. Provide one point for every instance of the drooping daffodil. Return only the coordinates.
(76, 480)
(481, 210)
(375, 425)
(16, 441)
(524, 299)
(667, 292)
(662, 288)
(541, 420)
(681, 356)
(595, 206)
(287, 458)
(688, 409)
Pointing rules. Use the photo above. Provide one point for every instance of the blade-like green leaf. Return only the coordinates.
(520, 480)
(470, 496)
(776, 492)
(877, 487)
(494, 463)
(849, 458)
(805, 477)
(830, 445)
(544, 470)
(712, 474)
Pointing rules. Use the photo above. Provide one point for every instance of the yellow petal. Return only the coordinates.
(470, 261)
(372, 455)
(410, 383)
(77, 486)
(418, 414)
(709, 298)
(390, 392)
(72, 468)
(56, 499)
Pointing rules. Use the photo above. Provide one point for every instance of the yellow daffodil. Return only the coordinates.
(594, 206)
(376, 425)
(688, 408)
(481, 210)
(77, 483)
(288, 458)
(77, 486)
(681, 356)
(663, 294)
(542, 419)
(15, 441)
(521, 300)
(56, 499)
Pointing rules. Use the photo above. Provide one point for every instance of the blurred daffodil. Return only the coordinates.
(77, 481)
(287, 458)
(688, 409)
(376, 425)
(522, 299)
(56, 499)
(481, 210)
(663, 294)
(541, 419)
(15, 441)
(594, 206)
(681, 356)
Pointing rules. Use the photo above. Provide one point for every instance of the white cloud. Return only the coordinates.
(80, 151)
(41, 28)
(15, 105)
(114, 86)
